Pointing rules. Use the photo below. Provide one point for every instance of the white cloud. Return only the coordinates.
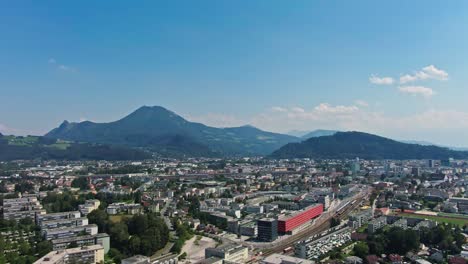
(435, 73)
(217, 120)
(428, 72)
(381, 80)
(61, 67)
(339, 109)
(361, 103)
(297, 110)
(436, 125)
(66, 68)
(279, 109)
(417, 90)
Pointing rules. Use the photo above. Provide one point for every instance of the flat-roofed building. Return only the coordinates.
(116, 208)
(57, 216)
(166, 259)
(267, 229)
(20, 208)
(56, 233)
(68, 222)
(283, 259)
(89, 206)
(290, 221)
(376, 224)
(86, 240)
(229, 253)
(89, 254)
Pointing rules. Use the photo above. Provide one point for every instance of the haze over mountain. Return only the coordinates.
(319, 133)
(348, 145)
(167, 133)
(305, 134)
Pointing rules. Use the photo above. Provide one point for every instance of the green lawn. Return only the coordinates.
(57, 145)
(453, 215)
(441, 219)
(118, 218)
(21, 141)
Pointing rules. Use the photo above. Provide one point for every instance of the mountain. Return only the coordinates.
(167, 133)
(34, 147)
(349, 145)
(426, 143)
(298, 133)
(305, 134)
(419, 142)
(319, 133)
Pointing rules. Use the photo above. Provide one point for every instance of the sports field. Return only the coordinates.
(441, 219)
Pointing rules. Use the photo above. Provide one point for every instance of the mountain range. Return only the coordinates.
(162, 131)
(305, 134)
(156, 130)
(349, 145)
(36, 147)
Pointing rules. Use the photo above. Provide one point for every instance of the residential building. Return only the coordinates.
(19, 208)
(57, 216)
(86, 240)
(56, 233)
(89, 206)
(89, 254)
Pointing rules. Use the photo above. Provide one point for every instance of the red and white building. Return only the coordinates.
(288, 222)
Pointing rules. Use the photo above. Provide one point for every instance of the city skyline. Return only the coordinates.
(301, 66)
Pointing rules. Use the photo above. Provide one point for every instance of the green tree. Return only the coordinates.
(100, 218)
(80, 182)
(361, 249)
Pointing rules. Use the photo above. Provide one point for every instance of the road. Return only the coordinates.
(167, 220)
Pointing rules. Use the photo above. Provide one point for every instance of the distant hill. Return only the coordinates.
(167, 133)
(349, 145)
(319, 133)
(35, 147)
(298, 133)
(426, 143)
(303, 134)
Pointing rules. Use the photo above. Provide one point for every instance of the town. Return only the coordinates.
(246, 210)
(234, 132)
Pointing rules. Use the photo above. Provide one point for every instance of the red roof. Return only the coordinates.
(394, 258)
(457, 260)
(372, 259)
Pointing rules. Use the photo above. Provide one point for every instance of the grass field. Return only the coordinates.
(454, 215)
(440, 219)
(118, 218)
(21, 141)
(33, 140)
(57, 145)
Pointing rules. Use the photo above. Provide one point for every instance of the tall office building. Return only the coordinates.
(267, 229)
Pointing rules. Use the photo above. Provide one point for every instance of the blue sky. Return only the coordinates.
(278, 65)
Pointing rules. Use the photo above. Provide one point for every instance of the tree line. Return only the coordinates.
(139, 234)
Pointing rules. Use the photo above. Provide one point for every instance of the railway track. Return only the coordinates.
(312, 231)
